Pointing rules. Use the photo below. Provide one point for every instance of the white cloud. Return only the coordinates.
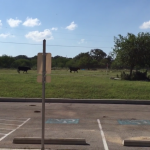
(54, 29)
(39, 36)
(82, 41)
(6, 35)
(32, 22)
(72, 26)
(13, 22)
(145, 25)
(0, 23)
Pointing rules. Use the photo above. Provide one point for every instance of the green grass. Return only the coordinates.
(82, 85)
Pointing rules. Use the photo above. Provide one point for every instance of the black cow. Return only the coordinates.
(74, 69)
(24, 69)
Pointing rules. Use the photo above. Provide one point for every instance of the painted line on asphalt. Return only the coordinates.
(11, 120)
(5, 129)
(103, 136)
(14, 129)
(8, 118)
(8, 124)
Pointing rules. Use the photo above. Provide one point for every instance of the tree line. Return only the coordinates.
(130, 52)
(96, 58)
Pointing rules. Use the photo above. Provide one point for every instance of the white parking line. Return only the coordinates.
(103, 136)
(14, 130)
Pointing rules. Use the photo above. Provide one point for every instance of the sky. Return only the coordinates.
(70, 27)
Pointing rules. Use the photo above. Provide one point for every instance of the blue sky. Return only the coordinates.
(69, 26)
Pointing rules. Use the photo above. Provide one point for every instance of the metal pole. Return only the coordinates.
(43, 94)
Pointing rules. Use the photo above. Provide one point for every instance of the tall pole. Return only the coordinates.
(43, 94)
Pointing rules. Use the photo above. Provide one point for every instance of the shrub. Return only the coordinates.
(117, 76)
(125, 76)
(148, 77)
(137, 75)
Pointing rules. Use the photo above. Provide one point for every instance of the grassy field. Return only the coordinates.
(83, 85)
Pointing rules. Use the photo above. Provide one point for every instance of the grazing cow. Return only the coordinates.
(74, 69)
(24, 69)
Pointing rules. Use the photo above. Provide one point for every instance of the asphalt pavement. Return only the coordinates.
(103, 126)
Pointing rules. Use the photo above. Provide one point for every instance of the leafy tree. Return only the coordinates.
(35, 57)
(70, 62)
(21, 62)
(34, 63)
(21, 57)
(132, 50)
(97, 54)
(109, 59)
(103, 63)
(83, 60)
(59, 61)
(6, 61)
(106, 61)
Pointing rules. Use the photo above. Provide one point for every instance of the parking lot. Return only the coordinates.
(103, 126)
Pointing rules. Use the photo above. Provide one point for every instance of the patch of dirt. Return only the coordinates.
(114, 139)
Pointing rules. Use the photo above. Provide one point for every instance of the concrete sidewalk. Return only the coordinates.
(67, 100)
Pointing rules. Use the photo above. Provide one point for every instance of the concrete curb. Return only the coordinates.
(140, 143)
(37, 140)
(67, 100)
